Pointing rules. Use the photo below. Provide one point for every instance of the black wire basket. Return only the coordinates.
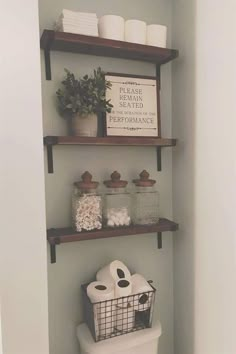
(112, 318)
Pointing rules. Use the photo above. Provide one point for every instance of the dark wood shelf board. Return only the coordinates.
(64, 235)
(108, 141)
(76, 43)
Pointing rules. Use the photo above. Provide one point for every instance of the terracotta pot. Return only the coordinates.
(85, 125)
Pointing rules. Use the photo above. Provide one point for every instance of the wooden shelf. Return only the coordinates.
(159, 143)
(77, 43)
(115, 141)
(64, 235)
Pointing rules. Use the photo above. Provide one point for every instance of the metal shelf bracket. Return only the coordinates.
(53, 253)
(50, 158)
(49, 141)
(159, 240)
(56, 241)
(158, 75)
(47, 64)
(158, 158)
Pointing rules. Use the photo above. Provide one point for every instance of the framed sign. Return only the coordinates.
(136, 106)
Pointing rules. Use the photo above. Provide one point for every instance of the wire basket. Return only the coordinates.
(112, 318)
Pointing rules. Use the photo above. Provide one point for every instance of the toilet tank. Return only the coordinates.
(141, 342)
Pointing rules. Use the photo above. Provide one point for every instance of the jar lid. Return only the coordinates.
(144, 180)
(86, 182)
(115, 181)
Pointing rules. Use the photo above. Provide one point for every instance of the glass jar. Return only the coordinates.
(145, 201)
(86, 205)
(117, 202)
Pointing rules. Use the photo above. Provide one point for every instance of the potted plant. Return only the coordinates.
(81, 100)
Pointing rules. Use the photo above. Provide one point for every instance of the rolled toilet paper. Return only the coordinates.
(135, 31)
(101, 295)
(123, 288)
(157, 35)
(125, 314)
(100, 291)
(111, 27)
(112, 272)
(142, 293)
(125, 318)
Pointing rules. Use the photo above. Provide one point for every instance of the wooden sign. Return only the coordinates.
(135, 109)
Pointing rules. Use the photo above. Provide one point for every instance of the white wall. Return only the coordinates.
(1, 352)
(204, 184)
(24, 312)
(215, 176)
(78, 262)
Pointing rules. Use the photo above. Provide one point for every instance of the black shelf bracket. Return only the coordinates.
(158, 158)
(50, 158)
(49, 141)
(159, 240)
(158, 75)
(53, 253)
(47, 58)
(53, 243)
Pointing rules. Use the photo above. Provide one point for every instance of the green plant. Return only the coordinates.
(84, 96)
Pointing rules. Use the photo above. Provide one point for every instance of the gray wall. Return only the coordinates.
(78, 262)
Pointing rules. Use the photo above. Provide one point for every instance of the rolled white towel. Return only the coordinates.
(135, 31)
(111, 27)
(157, 35)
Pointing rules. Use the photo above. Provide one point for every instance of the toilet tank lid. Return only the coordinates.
(116, 344)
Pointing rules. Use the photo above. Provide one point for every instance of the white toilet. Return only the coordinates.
(144, 341)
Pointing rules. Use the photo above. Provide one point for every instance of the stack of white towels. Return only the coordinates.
(112, 27)
(117, 296)
(77, 22)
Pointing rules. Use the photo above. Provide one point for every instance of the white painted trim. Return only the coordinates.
(24, 298)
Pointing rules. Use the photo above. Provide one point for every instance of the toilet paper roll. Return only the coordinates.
(123, 288)
(125, 318)
(135, 31)
(112, 272)
(100, 291)
(142, 297)
(102, 295)
(111, 27)
(157, 35)
(125, 313)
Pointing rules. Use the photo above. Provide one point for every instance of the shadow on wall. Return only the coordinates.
(183, 98)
